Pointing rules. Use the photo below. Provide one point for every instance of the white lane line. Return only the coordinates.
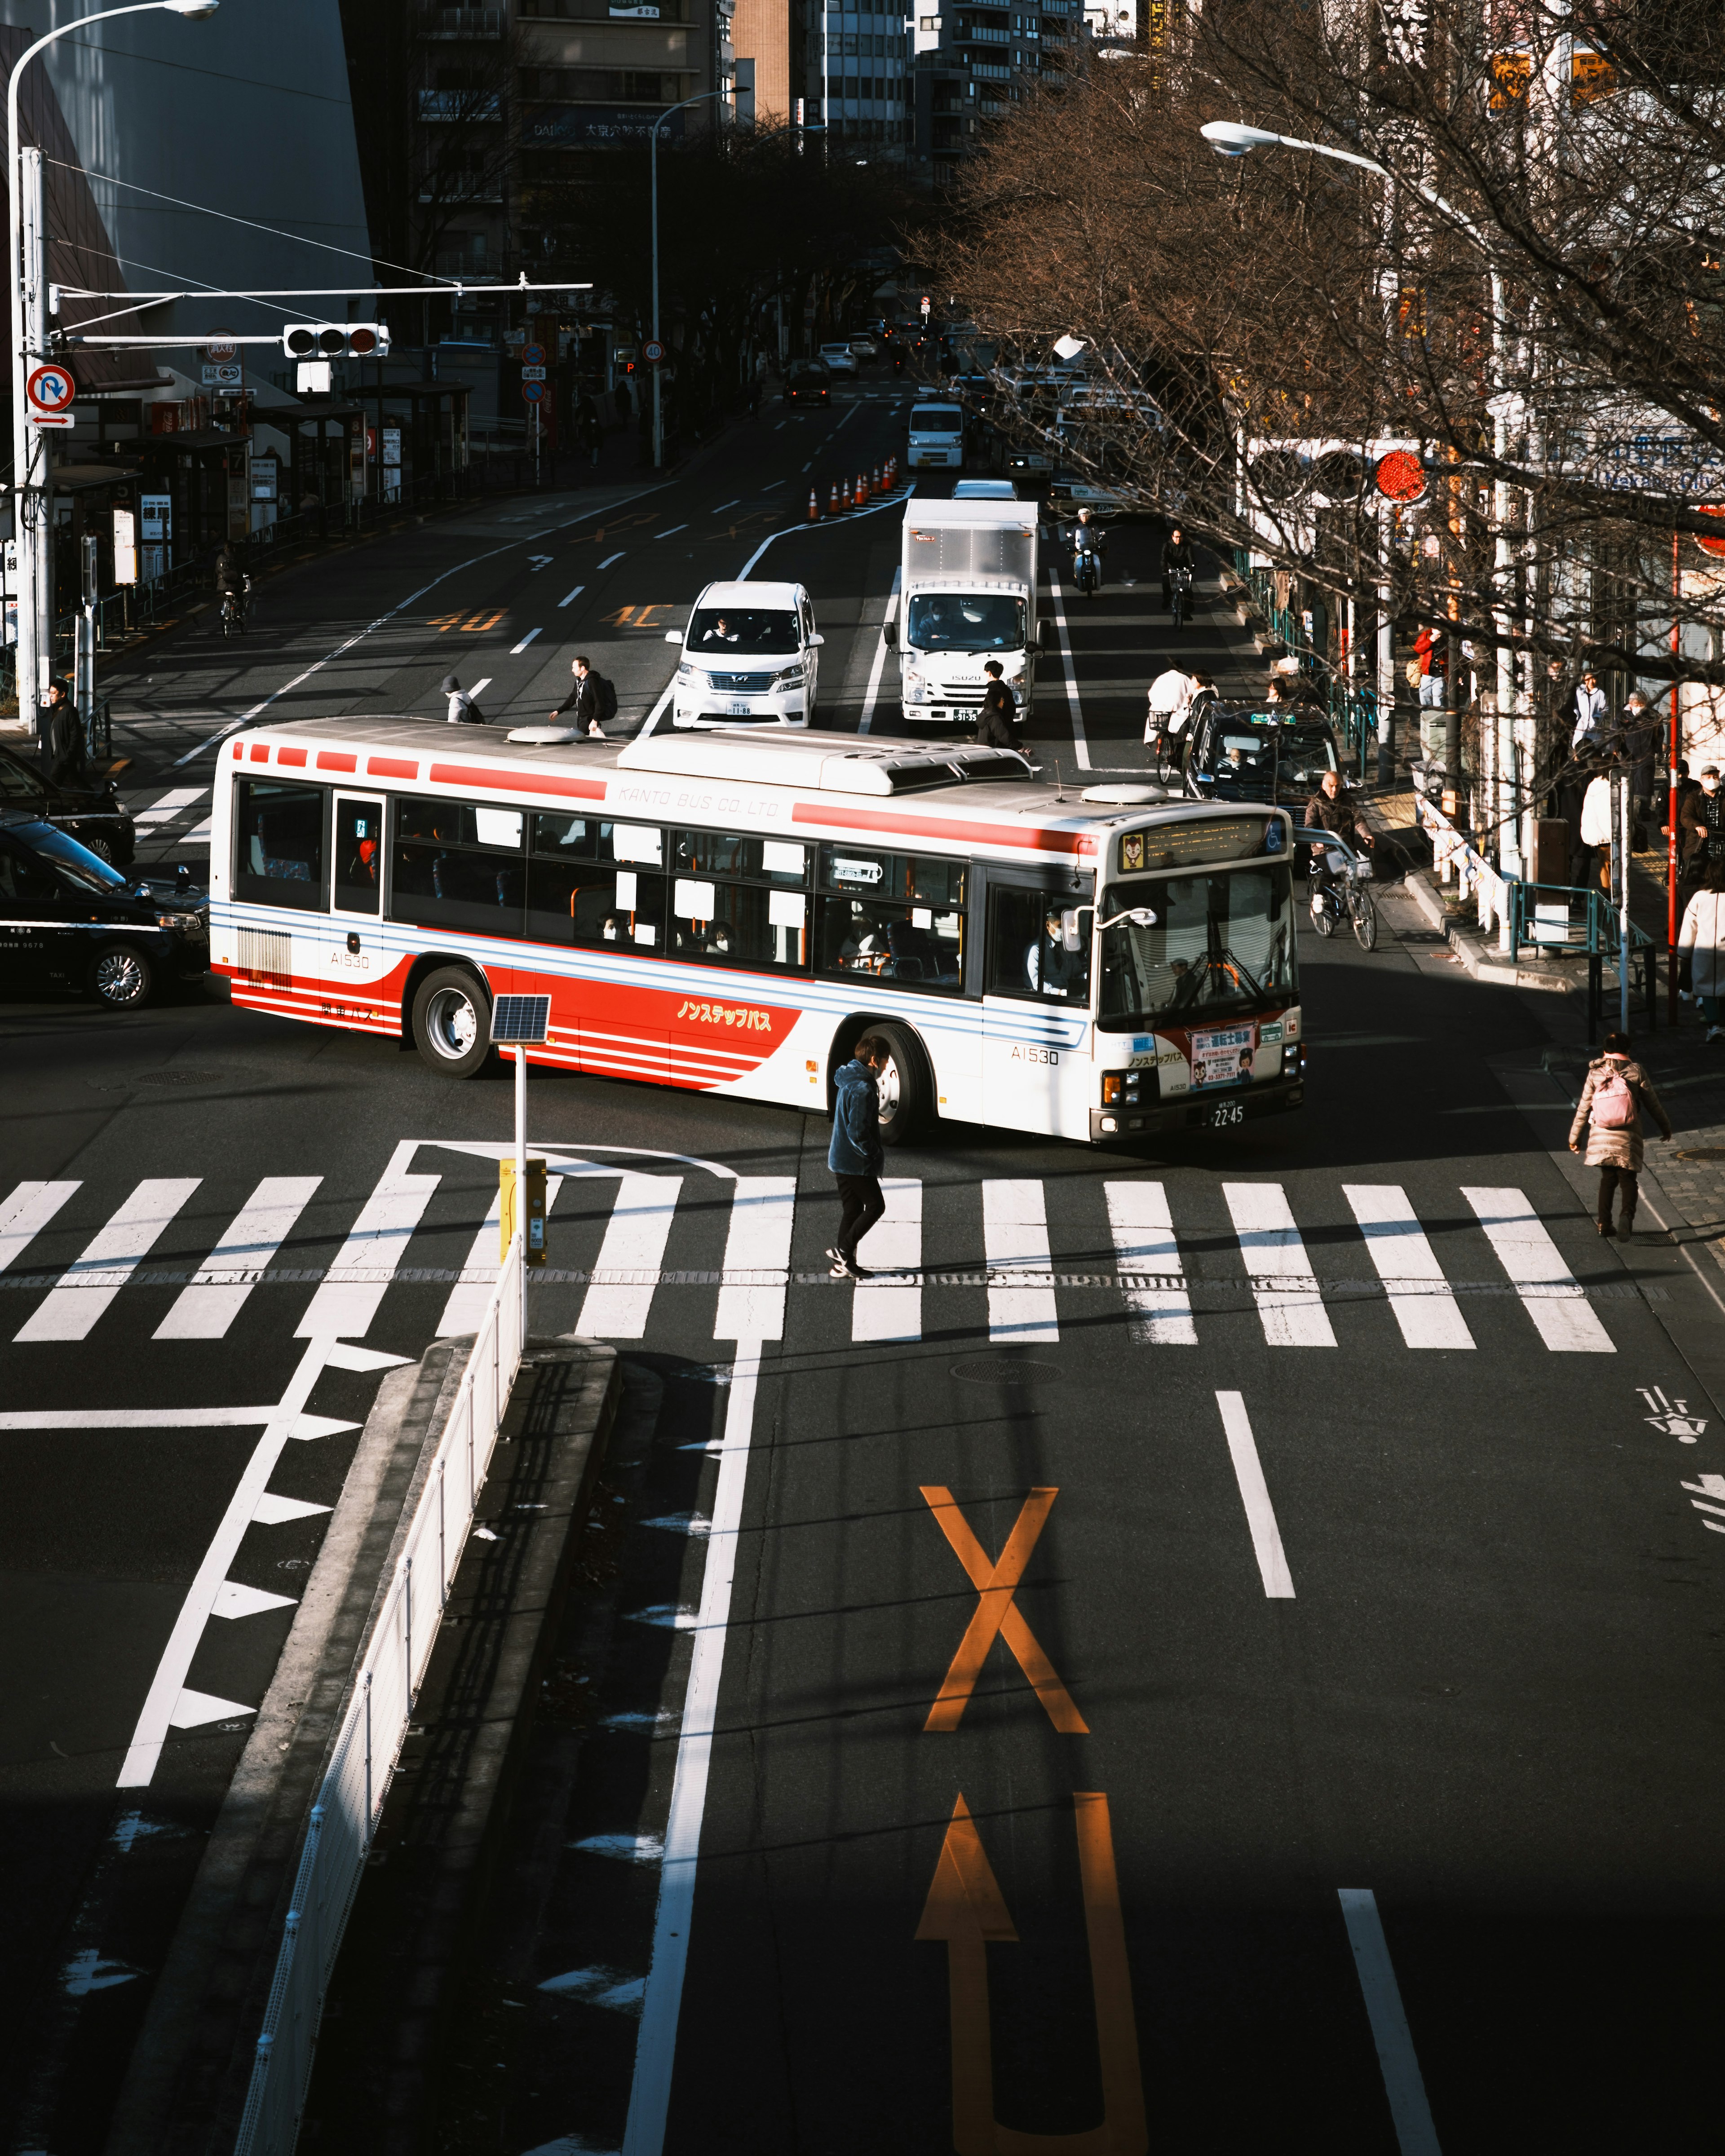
(1254, 1495)
(516, 649)
(162, 1705)
(1080, 740)
(809, 466)
(377, 1240)
(1015, 1236)
(568, 597)
(1425, 1310)
(88, 1286)
(660, 709)
(1550, 1293)
(206, 1309)
(27, 1213)
(655, 2048)
(724, 505)
(168, 807)
(413, 598)
(866, 724)
(610, 558)
(892, 1309)
(483, 682)
(1403, 2084)
(779, 428)
(1294, 1316)
(851, 412)
(890, 501)
(635, 1236)
(672, 533)
(758, 1248)
(133, 1418)
(1144, 1243)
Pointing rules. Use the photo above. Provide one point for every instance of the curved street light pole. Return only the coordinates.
(658, 409)
(29, 339)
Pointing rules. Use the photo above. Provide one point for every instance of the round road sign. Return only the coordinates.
(532, 391)
(220, 347)
(51, 388)
(652, 352)
(533, 355)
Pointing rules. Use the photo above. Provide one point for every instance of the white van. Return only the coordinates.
(749, 656)
(937, 435)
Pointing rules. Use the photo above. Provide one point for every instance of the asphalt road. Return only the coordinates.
(1341, 1770)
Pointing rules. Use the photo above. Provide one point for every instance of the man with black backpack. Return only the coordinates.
(592, 701)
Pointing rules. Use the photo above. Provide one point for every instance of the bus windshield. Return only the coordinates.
(750, 632)
(1218, 943)
(964, 621)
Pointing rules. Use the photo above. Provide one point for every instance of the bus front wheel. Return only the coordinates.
(906, 1092)
(452, 1022)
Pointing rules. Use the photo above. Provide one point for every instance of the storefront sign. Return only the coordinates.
(158, 511)
(552, 127)
(126, 547)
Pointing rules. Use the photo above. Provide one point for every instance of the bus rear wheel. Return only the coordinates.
(907, 1095)
(452, 1022)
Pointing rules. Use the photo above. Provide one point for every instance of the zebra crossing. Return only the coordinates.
(156, 816)
(626, 1236)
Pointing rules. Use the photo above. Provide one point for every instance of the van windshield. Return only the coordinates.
(964, 621)
(735, 632)
(936, 419)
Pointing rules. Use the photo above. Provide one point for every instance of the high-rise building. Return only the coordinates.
(973, 59)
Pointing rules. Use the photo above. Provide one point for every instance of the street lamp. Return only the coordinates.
(1233, 138)
(29, 316)
(653, 159)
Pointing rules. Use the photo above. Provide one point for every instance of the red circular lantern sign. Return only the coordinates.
(1399, 476)
(1716, 546)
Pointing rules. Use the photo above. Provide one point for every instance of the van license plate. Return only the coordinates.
(1226, 1113)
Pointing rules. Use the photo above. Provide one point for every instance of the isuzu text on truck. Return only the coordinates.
(968, 595)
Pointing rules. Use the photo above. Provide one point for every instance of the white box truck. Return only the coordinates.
(967, 594)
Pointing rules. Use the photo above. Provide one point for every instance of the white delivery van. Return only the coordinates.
(750, 655)
(969, 594)
(936, 435)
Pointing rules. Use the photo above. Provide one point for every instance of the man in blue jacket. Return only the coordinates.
(856, 1155)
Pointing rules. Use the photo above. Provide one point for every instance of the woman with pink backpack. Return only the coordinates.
(1609, 1111)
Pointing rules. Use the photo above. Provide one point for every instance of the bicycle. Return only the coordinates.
(1181, 595)
(1340, 881)
(234, 608)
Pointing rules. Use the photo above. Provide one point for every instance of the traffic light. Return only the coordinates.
(335, 339)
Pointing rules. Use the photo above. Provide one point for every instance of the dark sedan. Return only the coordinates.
(90, 813)
(1240, 754)
(67, 919)
(809, 385)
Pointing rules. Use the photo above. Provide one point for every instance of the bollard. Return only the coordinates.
(813, 507)
(833, 505)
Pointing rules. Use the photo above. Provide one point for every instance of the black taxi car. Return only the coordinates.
(68, 918)
(92, 813)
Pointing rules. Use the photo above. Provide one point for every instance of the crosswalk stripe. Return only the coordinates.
(635, 1237)
(206, 1309)
(889, 1309)
(345, 1309)
(1015, 1237)
(758, 1242)
(1144, 1243)
(87, 1287)
(27, 1213)
(1527, 1254)
(1428, 1314)
(1294, 1316)
(165, 810)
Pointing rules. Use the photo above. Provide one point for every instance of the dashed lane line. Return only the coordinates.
(617, 557)
(515, 649)
(569, 597)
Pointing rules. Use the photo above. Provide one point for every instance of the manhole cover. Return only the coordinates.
(1703, 1152)
(1004, 1370)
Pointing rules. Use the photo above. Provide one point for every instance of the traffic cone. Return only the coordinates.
(834, 504)
(845, 494)
(877, 488)
(862, 488)
(814, 508)
(892, 472)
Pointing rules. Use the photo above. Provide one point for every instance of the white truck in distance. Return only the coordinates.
(967, 594)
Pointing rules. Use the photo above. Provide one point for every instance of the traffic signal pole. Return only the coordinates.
(30, 336)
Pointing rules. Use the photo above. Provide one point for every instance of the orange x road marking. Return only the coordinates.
(996, 1612)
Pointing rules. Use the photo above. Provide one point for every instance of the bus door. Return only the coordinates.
(1035, 1003)
(353, 963)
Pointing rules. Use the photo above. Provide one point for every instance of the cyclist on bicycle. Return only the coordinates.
(231, 584)
(1329, 809)
(1176, 555)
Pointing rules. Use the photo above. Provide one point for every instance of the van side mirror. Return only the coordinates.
(815, 643)
(673, 636)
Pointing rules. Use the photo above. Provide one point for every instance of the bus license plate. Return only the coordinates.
(741, 711)
(1226, 1113)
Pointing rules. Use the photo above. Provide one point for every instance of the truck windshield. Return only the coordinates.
(964, 621)
(1218, 943)
(728, 632)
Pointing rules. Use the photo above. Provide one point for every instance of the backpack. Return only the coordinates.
(606, 696)
(1614, 1107)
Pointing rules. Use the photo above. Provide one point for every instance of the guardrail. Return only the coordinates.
(349, 1798)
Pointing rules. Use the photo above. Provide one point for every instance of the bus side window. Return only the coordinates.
(279, 857)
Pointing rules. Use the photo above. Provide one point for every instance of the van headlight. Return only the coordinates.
(686, 672)
(790, 678)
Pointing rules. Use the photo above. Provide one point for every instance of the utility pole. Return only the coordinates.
(29, 448)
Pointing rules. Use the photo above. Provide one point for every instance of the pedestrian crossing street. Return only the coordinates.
(630, 1244)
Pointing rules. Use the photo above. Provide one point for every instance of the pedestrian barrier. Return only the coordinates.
(349, 1798)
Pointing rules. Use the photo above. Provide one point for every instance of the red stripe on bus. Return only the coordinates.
(391, 766)
(517, 781)
(931, 827)
(296, 756)
(336, 759)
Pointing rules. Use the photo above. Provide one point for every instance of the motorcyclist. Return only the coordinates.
(1176, 555)
(1087, 539)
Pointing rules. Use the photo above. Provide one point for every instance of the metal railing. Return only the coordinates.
(349, 1798)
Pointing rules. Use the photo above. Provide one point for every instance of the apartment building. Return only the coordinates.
(973, 59)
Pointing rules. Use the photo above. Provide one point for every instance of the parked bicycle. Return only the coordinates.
(1341, 887)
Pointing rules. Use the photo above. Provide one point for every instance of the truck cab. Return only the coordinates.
(969, 594)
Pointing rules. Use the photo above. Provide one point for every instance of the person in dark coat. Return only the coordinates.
(994, 723)
(856, 1155)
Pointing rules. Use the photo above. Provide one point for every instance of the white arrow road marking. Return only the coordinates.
(348, 1355)
(234, 1600)
(192, 1710)
(272, 1510)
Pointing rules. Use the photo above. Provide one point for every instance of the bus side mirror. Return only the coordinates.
(889, 632)
(1072, 928)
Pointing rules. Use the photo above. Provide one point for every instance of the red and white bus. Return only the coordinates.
(726, 912)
